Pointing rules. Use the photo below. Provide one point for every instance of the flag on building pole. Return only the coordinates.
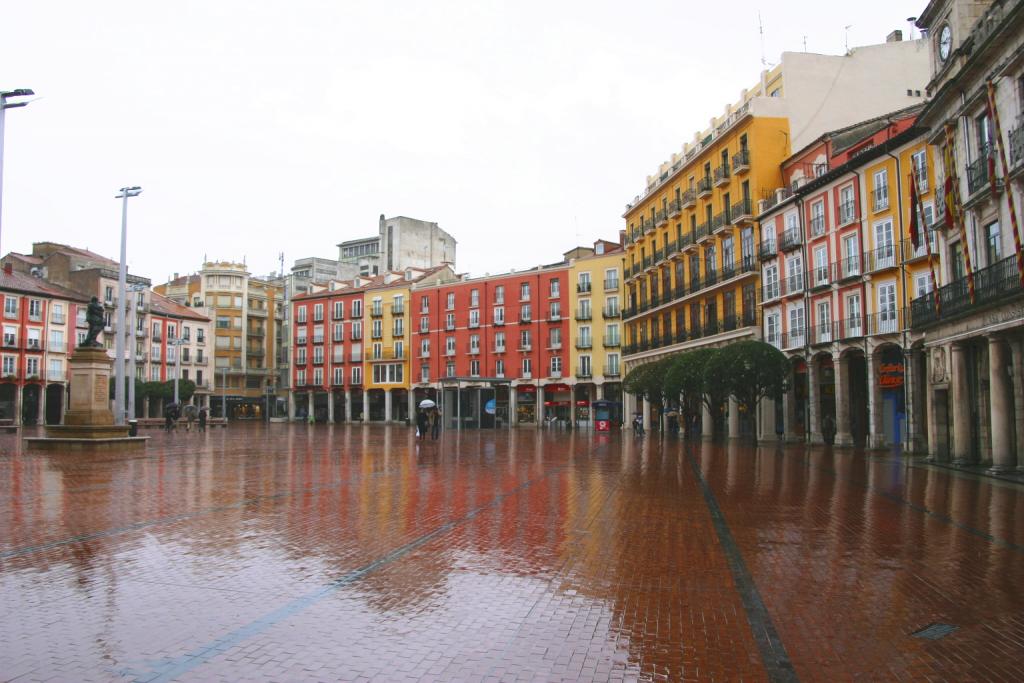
(994, 114)
(956, 206)
(916, 217)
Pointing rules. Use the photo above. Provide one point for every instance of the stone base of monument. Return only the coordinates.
(88, 424)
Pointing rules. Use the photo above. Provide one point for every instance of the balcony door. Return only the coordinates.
(887, 307)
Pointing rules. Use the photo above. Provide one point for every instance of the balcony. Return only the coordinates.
(978, 175)
(674, 208)
(611, 285)
(555, 374)
(711, 327)
(821, 334)
(992, 285)
(424, 353)
(376, 311)
(720, 220)
(611, 341)
(688, 199)
(394, 354)
(583, 315)
(793, 284)
(646, 225)
(767, 250)
(850, 328)
(357, 335)
(584, 373)
(702, 233)
(882, 258)
(473, 350)
(584, 343)
(450, 351)
(704, 187)
(660, 218)
(262, 313)
(742, 212)
(880, 198)
(583, 287)
(849, 268)
(847, 212)
(648, 262)
(821, 276)
(741, 161)
(791, 239)
(722, 175)
(499, 348)
(911, 253)
(659, 256)
(886, 322)
(33, 344)
(610, 313)
(424, 329)
(398, 309)
(793, 340)
(554, 344)
(612, 371)
(817, 225)
(523, 346)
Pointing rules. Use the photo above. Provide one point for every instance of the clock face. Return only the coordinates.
(945, 42)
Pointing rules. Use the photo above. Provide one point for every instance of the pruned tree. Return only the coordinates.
(750, 371)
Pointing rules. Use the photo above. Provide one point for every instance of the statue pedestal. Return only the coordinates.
(88, 423)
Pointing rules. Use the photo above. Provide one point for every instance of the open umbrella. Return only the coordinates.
(427, 403)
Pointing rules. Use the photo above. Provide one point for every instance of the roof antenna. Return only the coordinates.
(846, 37)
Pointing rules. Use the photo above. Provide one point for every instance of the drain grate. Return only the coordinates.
(935, 631)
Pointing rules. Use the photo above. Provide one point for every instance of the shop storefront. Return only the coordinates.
(526, 404)
(890, 381)
(558, 404)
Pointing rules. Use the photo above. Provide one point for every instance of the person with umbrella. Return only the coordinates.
(422, 419)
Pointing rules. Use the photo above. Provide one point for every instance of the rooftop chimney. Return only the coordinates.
(8, 268)
(894, 37)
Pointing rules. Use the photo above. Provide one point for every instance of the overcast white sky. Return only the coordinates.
(521, 127)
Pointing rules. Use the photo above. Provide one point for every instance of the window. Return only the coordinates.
(583, 285)
(449, 321)
(993, 245)
(555, 287)
(499, 315)
(398, 304)
(524, 291)
(10, 307)
(450, 304)
(525, 314)
(300, 335)
(377, 307)
(794, 274)
(771, 282)
(318, 355)
(611, 305)
(796, 325)
(449, 346)
(339, 376)
(357, 309)
(474, 343)
(424, 348)
(33, 341)
(772, 331)
(10, 365)
(337, 353)
(585, 367)
(318, 312)
(824, 321)
(318, 334)
(887, 308)
(398, 327)
(611, 279)
(499, 342)
(425, 373)
(853, 315)
(499, 294)
(57, 314)
(525, 340)
(613, 365)
(357, 330)
(556, 366)
(108, 294)
(338, 333)
(474, 317)
(922, 284)
(449, 369)
(612, 335)
(499, 368)
(474, 298)
(818, 219)
(300, 355)
(880, 194)
(357, 374)
(555, 339)
(821, 265)
(57, 340)
(10, 336)
(851, 255)
(425, 324)
(885, 252)
(424, 304)
(376, 329)
(527, 372)
(847, 206)
(35, 309)
(919, 160)
(339, 310)
(474, 368)
(300, 316)
(556, 309)
(55, 372)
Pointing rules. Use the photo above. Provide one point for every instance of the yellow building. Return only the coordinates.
(595, 351)
(386, 361)
(692, 272)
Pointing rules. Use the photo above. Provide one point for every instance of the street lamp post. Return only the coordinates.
(223, 393)
(177, 364)
(4, 106)
(122, 277)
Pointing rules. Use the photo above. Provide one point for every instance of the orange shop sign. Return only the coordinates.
(890, 375)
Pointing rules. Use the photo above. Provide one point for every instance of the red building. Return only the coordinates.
(40, 321)
(501, 338)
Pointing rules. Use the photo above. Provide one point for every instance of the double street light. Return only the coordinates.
(122, 277)
(4, 106)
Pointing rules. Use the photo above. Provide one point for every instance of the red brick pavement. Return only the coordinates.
(351, 553)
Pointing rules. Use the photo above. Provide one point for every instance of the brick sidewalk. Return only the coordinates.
(315, 553)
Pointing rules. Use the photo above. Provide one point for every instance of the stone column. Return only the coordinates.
(366, 406)
(789, 410)
(628, 409)
(876, 437)
(645, 406)
(348, 405)
(410, 403)
(766, 420)
(961, 406)
(842, 391)
(330, 406)
(707, 424)
(387, 405)
(734, 418)
(309, 405)
(910, 435)
(513, 405)
(814, 402)
(18, 389)
(1003, 457)
(42, 404)
(145, 406)
(540, 406)
(1017, 353)
(291, 404)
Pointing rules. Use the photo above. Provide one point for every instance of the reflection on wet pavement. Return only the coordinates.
(337, 553)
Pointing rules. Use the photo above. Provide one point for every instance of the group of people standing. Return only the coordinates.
(428, 420)
(173, 412)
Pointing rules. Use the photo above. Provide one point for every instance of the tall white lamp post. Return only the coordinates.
(4, 106)
(136, 301)
(122, 277)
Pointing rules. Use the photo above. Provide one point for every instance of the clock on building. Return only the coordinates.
(945, 42)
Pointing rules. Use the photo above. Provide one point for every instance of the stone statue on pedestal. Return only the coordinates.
(94, 318)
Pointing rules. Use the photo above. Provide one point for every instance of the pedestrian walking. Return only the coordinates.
(422, 423)
(202, 419)
(435, 424)
(638, 425)
(828, 429)
(190, 417)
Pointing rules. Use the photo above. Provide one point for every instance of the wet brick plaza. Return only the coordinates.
(288, 553)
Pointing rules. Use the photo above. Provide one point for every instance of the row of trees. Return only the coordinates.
(747, 370)
(158, 390)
